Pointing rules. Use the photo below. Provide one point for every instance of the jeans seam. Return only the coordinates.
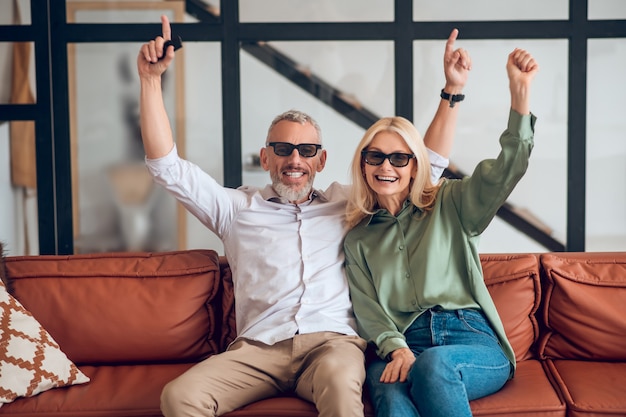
(465, 322)
(460, 366)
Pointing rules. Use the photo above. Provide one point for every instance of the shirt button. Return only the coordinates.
(401, 247)
(407, 275)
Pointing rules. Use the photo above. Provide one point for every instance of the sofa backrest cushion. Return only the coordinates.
(123, 307)
(584, 306)
(229, 322)
(514, 284)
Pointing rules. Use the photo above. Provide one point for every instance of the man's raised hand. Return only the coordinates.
(156, 55)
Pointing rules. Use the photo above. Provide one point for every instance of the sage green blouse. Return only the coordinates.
(400, 266)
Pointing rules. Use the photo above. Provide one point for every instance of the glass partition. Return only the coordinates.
(18, 178)
(11, 15)
(116, 204)
(607, 9)
(606, 148)
(120, 11)
(483, 117)
(18, 210)
(114, 198)
(315, 11)
(362, 72)
(203, 127)
(18, 183)
(17, 73)
(455, 10)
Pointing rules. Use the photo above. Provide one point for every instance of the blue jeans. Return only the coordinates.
(458, 359)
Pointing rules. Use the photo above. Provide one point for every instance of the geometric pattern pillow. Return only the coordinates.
(30, 360)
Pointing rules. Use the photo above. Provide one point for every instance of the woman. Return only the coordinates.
(413, 265)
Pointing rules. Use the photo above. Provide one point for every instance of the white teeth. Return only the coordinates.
(294, 174)
(381, 178)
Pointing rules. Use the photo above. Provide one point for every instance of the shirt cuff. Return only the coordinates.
(521, 125)
(438, 163)
(389, 345)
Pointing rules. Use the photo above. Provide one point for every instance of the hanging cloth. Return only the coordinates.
(22, 132)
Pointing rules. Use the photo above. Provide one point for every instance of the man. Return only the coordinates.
(295, 326)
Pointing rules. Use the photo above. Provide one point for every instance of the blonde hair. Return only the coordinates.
(422, 191)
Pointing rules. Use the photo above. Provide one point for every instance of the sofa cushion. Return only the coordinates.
(591, 388)
(114, 391)
(123, 307)
(530, 392)
(584, 307)
(282, 406)
(513, 282)
(31, 361)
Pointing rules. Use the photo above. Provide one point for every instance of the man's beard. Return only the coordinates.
(288, 192)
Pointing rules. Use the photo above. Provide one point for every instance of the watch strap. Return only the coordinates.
(452, 98)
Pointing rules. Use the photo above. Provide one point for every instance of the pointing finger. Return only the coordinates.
(166, 28)
(451, 39)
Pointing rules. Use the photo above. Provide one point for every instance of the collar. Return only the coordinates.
(269, 194)
(380, 214)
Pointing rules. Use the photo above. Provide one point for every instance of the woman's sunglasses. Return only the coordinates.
(397, 159)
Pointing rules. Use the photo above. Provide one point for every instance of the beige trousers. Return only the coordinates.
(325, 368)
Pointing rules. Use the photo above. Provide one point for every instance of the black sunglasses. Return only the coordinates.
(306, 150)
(397, 159)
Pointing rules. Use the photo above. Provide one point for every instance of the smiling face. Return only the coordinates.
(292, 176)
(391, 184)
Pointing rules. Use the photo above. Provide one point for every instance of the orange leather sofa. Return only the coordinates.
(133, 321)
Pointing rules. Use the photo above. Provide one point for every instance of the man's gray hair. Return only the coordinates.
(298, 117)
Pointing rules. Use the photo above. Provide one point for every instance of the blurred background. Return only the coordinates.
(72, 177)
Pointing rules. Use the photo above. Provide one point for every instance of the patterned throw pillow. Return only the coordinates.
(30, 360)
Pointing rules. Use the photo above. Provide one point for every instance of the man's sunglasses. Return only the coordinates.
(306, 150)
(397, 159)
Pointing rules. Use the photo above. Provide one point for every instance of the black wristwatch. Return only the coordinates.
(452, 98)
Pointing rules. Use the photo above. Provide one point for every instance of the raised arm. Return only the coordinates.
(521, 69)
(439, 136)
(480, 195)
(156, 131)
